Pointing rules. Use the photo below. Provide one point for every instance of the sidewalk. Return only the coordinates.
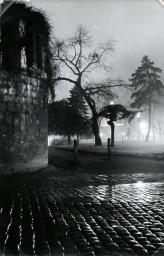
(135, 148)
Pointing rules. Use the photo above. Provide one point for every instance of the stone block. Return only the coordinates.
(24, 87)
(17, 99)
(34, 82)
(1, 116)
(34, 94)
(12, 91)
(3, 91)
(10, 107)
(17, 107)
(16, 125)
(24, 108)
(5, 98)
(22, 124)
(2, 169)
(25, 93)
(3, 107)
(9, 119)
(35, 102)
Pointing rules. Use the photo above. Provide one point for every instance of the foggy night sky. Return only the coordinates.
(135, 25)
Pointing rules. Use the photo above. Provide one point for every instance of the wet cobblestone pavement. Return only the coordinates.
(82, 215)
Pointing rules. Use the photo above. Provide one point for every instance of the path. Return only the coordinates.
(97, 163)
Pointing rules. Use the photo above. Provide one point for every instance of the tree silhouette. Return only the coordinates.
(66, 120)
(113, 113)
(74, 54)
(147, 87)
(77, 102)
(79, 110)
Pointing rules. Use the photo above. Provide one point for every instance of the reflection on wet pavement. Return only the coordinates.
(48, 217)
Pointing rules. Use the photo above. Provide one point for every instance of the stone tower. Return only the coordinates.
(24, 85)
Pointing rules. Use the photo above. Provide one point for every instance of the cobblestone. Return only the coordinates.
(82, 215)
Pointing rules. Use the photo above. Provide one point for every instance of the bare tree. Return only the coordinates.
(75, 55)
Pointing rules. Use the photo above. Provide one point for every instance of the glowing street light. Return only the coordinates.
(138, 115)
(143, 126)
(139, 184)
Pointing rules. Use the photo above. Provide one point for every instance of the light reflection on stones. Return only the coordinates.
(127, 192)
(65, 220)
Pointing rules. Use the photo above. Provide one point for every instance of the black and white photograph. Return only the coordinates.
(82, 128)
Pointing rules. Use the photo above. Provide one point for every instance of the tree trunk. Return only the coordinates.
(138, 131)
(92, 106)
(160, 131)
(149, 127)
(153, 133)
(96, 132)
(69, 139)
(77, 135)
(112, 133)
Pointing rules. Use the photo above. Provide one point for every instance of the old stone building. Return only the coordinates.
(24, 84)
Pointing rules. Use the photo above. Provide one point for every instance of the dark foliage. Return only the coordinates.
(26, 29)
(146, 84)
(77, 102)
(115, 112)
(147, 88)
(65, 120)
(22, 26)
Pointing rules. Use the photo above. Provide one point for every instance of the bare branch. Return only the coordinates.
(81, 36)
(65, 79)
(71, 53)
(96, 56)
(96, 87)
(75, 53)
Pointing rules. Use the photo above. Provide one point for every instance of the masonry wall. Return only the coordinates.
(23, 123)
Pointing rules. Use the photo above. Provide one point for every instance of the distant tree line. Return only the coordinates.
(69, 116)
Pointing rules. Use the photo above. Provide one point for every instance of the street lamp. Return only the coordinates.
(138, 115)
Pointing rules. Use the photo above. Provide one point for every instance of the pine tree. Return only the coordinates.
(147, 87)
(66, 119)
(77, 102)
(79, 112)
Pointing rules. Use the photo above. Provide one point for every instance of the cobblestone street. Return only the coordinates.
(82, 215)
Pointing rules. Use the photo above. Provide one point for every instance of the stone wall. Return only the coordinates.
(23, 123)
